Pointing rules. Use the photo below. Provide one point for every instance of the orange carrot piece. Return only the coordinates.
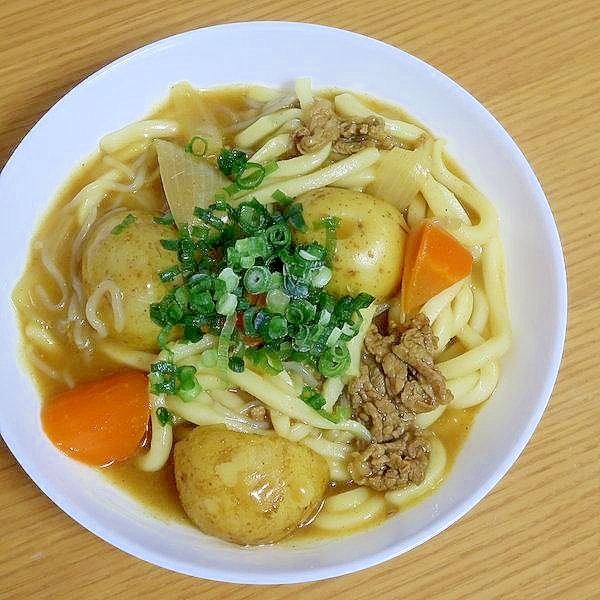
(100, 422)
(433, 261)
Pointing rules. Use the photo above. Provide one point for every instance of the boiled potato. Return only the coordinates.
(369, 240)
(132, 258)
(247, 488)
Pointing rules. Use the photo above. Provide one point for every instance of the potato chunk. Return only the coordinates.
(131, 256)
(370, 240)
(247, 488)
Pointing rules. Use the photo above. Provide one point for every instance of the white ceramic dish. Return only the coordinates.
(276, 53)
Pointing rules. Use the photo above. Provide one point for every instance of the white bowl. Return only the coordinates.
(276, 53)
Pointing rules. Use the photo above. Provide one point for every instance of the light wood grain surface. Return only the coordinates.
(536, 66)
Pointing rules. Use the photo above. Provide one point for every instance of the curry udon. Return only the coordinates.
(287, 302)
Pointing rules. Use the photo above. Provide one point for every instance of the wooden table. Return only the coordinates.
(536, 66)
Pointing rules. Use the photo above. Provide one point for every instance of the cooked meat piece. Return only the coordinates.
(405, 354)
(384, 419)
(398, 379)
(258, 412)
(322, 125)
(356, 135)
(392, 465)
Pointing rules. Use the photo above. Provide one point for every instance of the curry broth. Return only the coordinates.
(156, 491)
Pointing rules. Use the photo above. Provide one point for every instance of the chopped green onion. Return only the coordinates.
(253, 217)
(241, 277)
(265, 360)
(334, 361)
(277, 300)
(236, 364)
(169, 274)
(276, 328)
(123, 225)
(313, 398)
(164, 416)
(251, 177)
(322, 276)
(257, 279)
(226, 304)
(168, 378)
(197, 146)
(230, 278)
(166, 219)
(232, 161)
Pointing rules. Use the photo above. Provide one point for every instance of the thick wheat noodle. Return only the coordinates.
(433, 475)
(338, 471)
(114, 163)
(350, 106)
(136, 359)
(460, 386)
(59, 279)
(272, 149)
(462, 307)
(299, 165)
(348, 500)
(140, 131)
(38, 333)
(481, 310)
(162, 439)
(434, 306)
(484, 386)
(264, 126)
(304, 93)
(469, 235)
(113, 291)
(281, 423)
(357, 181)
(347, 520)
(470, 338)
(43, 366)
(77, 324)
(327, 448)
(454, 316)
(417, 211)
(227, 399)
(444, 327)
(426, 419)
(442, 202)
(299, 431)
(325, 176)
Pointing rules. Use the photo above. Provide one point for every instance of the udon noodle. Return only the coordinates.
(75, 332)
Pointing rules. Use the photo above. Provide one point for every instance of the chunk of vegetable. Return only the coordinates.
(246, 488)
(400, 176)
(100, 422)
(433, 261)
(124, 250)
(369, 240)
(188, 180)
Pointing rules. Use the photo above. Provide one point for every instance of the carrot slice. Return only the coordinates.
(100, 422)
(433, 261)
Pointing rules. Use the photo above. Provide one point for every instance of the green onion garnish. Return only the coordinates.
(239, 275)
(123, 225)
(197, 146)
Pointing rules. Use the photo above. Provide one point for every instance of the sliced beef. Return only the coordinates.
(356, 135)
(398, 379)
(392, 465)
(322, 126)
